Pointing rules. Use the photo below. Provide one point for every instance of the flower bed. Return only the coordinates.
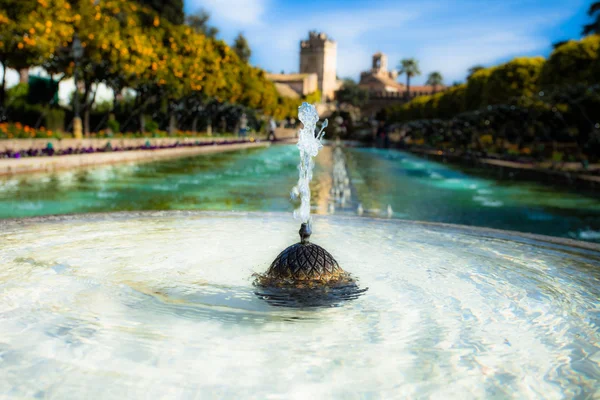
(9, 130)
(13, 131)
(103, 134)
(49, 151)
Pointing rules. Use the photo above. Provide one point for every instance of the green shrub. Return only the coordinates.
(577, 61)
(53, 118)
(33, 115)
(451, 102)
(37, 115)
(17, 94)
(42, 91)
(114, 125)
(430, 108)
(314, 97)
(151, 126)
(417, 108)
(475, 90)
(516, 78)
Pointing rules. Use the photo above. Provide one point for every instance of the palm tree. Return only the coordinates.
(474, 69)
(594, 26)
(410, 67)
(434, 80)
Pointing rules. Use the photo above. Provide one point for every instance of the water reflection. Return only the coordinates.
(424, 190)
(314, 298)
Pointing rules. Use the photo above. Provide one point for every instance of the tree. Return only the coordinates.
(517, 78)
(576, 61)
(594, 26)
(30, 31)
(434, 80)
(474, 69)
(476, 86)
(199, 22)
(556, 45)
(241, 48)
(116, 49)
(409, 67)
(352, 94)
(171, 10)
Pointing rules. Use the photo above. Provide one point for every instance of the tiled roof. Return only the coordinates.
(286, 91)
(425, 89)
(287, 77)
(365, 80)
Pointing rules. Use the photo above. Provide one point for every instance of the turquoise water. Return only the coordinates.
(242, 181)
(261, 179)
(424, 190)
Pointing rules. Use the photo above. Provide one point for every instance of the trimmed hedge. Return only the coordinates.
(516, 78)
(476, 86)
(573, 62)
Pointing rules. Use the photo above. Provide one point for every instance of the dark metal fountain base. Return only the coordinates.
(304, 264)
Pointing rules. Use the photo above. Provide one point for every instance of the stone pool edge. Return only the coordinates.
(481, 231)
(49, 164)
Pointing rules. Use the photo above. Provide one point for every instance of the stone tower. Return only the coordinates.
(318, 55)
(380, 66)
(380, 62)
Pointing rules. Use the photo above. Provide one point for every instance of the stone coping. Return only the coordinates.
(12, 166)
(552, 242)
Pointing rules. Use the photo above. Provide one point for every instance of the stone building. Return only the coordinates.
(384, 89)
(295, 85)
(383, 83)
(318, 63)
(379, 79)
(318, 55)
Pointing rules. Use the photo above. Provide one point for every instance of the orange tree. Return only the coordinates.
(30, 31)
(114, 52)
(127, 45)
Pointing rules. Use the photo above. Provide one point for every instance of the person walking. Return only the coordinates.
(243, 125)
(380, 135)
(272, 127)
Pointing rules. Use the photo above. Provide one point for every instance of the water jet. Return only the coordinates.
(305, 264)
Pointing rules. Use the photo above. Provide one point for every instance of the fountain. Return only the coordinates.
(305, 264)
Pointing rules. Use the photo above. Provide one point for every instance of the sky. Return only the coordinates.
(444, 36)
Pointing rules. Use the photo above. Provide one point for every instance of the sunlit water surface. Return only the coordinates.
(162, 306)
(261, 180)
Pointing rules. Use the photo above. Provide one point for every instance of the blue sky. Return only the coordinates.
(447, 36)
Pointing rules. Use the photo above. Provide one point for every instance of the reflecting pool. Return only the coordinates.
(261, 180)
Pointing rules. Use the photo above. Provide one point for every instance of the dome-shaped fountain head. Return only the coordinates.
(305, 262)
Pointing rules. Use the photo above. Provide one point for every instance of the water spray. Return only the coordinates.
(305, 263)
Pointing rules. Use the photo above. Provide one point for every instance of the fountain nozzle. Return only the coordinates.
(304, 232)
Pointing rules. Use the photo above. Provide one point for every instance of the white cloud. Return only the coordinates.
(455, 57)
(239, 12)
